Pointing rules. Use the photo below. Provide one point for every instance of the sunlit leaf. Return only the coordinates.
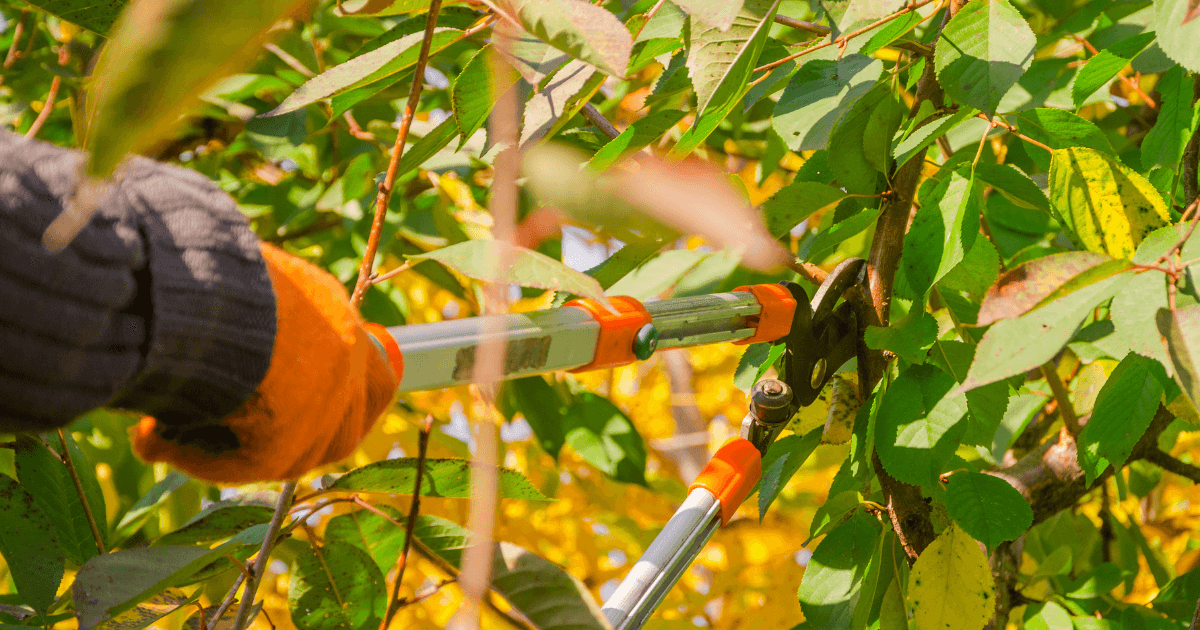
(796, 202)
(1101, 69)
(146, 506)
(908, 337)
(542, 407)
(716, 13)
(986, 405)
(1061, 129)
(380, 537)
(606, 438)
(336, 586)
(1164, 143)
(832, 584)
(381, 7)
(1024, 288)
(1107, 206)
(478, 260)
(635, 137)
(554, 104)
(906, 146)
(720, 59)
(1012, 346)
(218, 521)
(987, 507)
(941, 234)
(1181, 331)
(919, 425)
(849, 161)
(1178, 31)
(442, 478)
(951, 585)
(1123, 410)
(818, 95)
(585, 31)
(475, 90)
(151, 610)
(1013, 183)
(982, 52)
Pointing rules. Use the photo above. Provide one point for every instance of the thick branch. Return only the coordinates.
(1172, 465)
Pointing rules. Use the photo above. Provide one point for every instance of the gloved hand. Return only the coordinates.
(251, 362)
(327, 383)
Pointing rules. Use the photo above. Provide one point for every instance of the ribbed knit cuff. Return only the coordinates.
(213, 322)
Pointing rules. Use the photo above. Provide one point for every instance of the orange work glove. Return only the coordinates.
(327, 383)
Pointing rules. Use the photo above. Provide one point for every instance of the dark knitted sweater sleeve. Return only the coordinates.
(162, 304)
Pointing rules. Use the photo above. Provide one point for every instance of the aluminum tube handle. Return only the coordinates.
(442, 354)
(660, 567)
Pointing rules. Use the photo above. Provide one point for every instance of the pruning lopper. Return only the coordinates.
(818, 337)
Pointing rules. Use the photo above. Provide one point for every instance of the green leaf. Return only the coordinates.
(851, 480)
(977, 272)
(658, 274)
(780, 464)
(216, 522)
(720, 60)
(359, 8)
(987, 507)
(818, 94)
(46, 477)
(474, 92)
(1181, 330)
(1175, 38)
(1029, 285)
(1123, 410)
(380, 538)
(951, 585)
(755, 361)
(1013, 183)
(1101, 69)
(526, 268)
(908, 337)
(443, 478)
(585, 31)
(427, 146)
(149, 503)
(395, 51)
(886, 570)
(718, 14)
(1107, 206)
(540, 590)
(827, 240)
(542, 407)
(1060, 129)
(635, 137)
(1096, 583)
(919, 425)
(558, 100)
(1163, 145)
(336, 586)
(982, 52)
(941, 233)
(97, 17)
(604, 436)
(987, 405)
(1134, 307)
(832, 583)
(1178, 598)
(1013, 346)
(880, 128)
(112, 583)
(29, 545)
(153, 609)
(849, 162)
(155, 67)
(906, 146)
(796, 202)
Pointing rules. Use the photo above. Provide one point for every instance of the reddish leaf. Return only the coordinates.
(1019, 290)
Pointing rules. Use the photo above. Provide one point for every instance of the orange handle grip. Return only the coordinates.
(731, 474)
(618, 331)
(395, 357)
(774, 320)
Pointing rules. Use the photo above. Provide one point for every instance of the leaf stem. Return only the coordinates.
(389, 180)
(87, 508)
(1065, 408)
(594, 116)
(1124, 79)
(220, 612)
(841, 41)
(264, 552)
(999, 122)
(13, 54)
(413, 510)
(801, 25)
(64, 54)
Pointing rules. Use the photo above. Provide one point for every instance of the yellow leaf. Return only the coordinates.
(950, 587)
(1109, 207)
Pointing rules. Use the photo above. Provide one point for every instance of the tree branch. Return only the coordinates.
(1173, 465)
(1191, 156)
(264, 552)
(413, 510)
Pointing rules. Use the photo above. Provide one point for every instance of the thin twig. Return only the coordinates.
(64, 54)
(389, 180)
(841, 41)
(376, 279)
(1124, 79)
(807, 270)
(413, 510)
(87, 508)
(354, 129)
(424, 596)
(264, 552)
(999, 122)
(1065, 408)
(594, 116)
(801, 25)
(229, 597)
(13, 53)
